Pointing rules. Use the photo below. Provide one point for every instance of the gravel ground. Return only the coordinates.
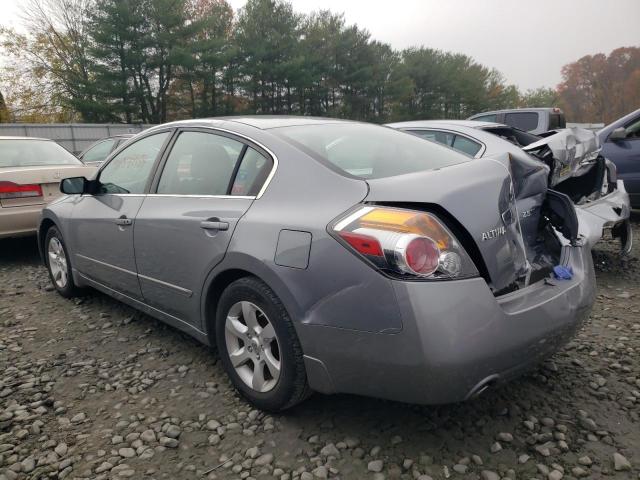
(92, 389)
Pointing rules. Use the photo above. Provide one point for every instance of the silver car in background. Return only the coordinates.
(330, 256)
(577, 167)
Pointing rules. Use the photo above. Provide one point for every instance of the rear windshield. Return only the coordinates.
(523, 120)
(34, 153)
(556, 120)
(369, 151)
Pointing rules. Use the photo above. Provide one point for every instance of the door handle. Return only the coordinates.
(214, 225)
(123, 221)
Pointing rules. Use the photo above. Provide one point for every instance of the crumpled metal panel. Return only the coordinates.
(573, 151)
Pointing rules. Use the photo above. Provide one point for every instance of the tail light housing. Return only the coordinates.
(406, 244)
(10, 190)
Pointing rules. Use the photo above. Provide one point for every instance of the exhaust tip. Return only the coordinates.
(482, 386)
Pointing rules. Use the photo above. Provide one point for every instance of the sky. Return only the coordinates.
(528, 41)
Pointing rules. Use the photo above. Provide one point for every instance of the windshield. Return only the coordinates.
(369, 151)
(34, 153)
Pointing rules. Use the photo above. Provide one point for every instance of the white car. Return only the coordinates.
(577, 168)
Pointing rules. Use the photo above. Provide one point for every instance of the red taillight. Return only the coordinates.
(364, 244)
(422, 255)
(13, 190)
(403, 243)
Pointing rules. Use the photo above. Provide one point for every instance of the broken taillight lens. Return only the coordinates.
(404, 243)
(10, 190)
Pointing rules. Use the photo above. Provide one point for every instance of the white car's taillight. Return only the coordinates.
(10, 190)
(404, 243)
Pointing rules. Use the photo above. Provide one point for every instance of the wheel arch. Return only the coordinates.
(232, 268)
(45, 224)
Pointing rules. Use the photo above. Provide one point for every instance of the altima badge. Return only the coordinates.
(494, 233)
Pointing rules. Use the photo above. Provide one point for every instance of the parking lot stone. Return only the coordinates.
(92, 389)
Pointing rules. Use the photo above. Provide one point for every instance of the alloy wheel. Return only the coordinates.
(57, 262)
(252, 346)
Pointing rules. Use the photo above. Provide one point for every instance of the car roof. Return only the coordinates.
(445, 123)
(263, 122)
(24, 138)
(512, 110)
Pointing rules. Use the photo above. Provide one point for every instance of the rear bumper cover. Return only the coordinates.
(609, 212)
(455, 336)
(19, 221)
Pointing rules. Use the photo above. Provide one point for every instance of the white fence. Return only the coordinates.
(75, 137)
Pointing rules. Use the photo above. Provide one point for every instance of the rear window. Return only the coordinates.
(369, 151)
(34, 153)
(523, 120)
(556, 120)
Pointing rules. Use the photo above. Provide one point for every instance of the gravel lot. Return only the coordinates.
(93, 389)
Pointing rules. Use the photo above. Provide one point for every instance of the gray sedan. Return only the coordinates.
(331, 256)
(574, 156)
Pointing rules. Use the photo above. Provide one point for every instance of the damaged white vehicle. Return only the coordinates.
(576, 167)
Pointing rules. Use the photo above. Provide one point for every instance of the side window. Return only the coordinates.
(252, 174)
(465, 145)
(633, 129)
(98, 152)
(129, 171)
(556, 121)
(200, 164)
(486, 118)
(444, 138)
(526, 121)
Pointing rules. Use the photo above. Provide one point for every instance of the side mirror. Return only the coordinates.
(619, 133)
(74, 185)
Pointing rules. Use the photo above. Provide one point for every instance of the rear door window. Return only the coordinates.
(200, 164)
(526, 121)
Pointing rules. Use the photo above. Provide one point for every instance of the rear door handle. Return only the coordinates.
(123, 221)
(214, 225)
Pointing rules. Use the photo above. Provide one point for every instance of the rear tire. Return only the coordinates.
(258, 346)
(58, 264)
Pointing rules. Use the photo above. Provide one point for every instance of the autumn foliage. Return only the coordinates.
(601, 88)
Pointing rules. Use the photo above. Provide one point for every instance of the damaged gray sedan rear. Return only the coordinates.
(328, 255)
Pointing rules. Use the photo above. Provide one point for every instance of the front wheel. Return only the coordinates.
(57, 261)
(259, 347)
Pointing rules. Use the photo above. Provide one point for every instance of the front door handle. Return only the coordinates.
(214, 225)
(123, 220)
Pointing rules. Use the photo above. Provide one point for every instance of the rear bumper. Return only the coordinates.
(19, 221)
(456, 336)
(609, 212)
